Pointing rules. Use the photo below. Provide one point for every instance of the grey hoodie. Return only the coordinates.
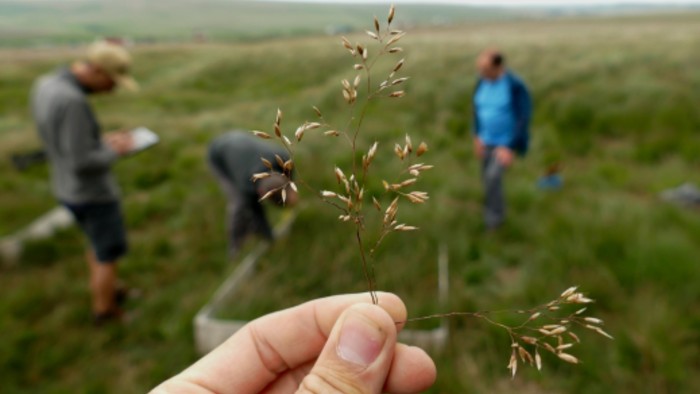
(80, 162)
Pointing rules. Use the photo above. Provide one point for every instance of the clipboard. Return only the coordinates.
(143, 138)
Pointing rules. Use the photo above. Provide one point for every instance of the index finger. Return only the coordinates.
(267, 347)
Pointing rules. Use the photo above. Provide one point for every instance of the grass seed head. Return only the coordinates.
(568, 358)
(259, 176)
(422, 148)
(262, 134)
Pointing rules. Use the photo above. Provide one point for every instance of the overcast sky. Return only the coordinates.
(511, 2)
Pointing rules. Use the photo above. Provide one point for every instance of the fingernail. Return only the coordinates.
(361, 340)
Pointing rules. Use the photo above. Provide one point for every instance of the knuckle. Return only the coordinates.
(315, 383)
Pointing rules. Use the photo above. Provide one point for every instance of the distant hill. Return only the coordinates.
(42, 22)
(52, 22)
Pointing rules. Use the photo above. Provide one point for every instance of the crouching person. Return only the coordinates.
(234, 158)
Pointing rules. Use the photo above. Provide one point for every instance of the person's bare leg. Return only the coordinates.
(103, 281)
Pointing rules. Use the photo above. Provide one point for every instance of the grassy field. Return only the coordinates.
(616, 102)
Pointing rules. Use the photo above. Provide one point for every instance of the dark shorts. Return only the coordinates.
(103, 225)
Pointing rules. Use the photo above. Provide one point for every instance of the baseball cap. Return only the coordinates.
(115, 60)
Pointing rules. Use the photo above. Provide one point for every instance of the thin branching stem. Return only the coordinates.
(369, 275)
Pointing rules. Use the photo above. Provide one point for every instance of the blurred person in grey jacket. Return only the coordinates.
(81, 159)
(234, 157)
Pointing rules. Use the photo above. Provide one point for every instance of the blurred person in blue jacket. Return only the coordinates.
(501, 117)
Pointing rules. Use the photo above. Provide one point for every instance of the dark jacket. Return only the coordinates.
(522, 109)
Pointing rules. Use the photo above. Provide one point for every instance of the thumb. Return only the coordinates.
(358, 354)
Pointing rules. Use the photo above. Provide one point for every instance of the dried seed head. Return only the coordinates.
(293, 186)
(399, 151)
(267, 195)
(513, 364)
(278, 131)
(599, 331)
(333, 133)
(278, 118)
(286, 140)
(260, 175)
(568, 358)
(280, 162)
(347, 44)
(370, 154)
(395, 38)
(346, 84)
(284, 196)
(534, 316)
(392, 11)
(578, 298)
(328, 194)
(344, 199)
(525, 356)
(549, 347)
(358, 66)
(409, 145)
(318, 111)
(551, 326)
(365, 54)
(568, 292)
(376, 24)
(395, 50)
(417, 197)
(403, 227)
(574, 336)
(373, 35)
(391, 211)
(339, 175)
(593, 320)
(398, 93)
(299, 134)
(262, 134)
(422, 148)
(288, 166)
(558, 330)
(356, 82)
(398, 65)
(564, 346)
(376, 204)
(538, 360)
(528, 340)
(266, 163)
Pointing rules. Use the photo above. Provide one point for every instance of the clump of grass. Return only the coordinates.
(549, 327)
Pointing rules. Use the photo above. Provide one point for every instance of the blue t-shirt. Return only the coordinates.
(494, 109)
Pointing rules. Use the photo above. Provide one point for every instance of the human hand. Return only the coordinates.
(478, 148)
(119, 141)
(504, 156)
(339, 344)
